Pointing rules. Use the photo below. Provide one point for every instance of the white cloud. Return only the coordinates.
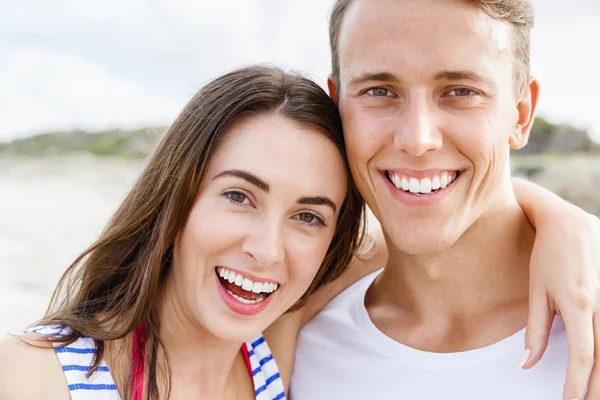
(112, 62)
(142, 60)
(44, 89)
(566, 59)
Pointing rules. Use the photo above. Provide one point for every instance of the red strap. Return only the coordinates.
(139, 359)
(247, 359)
(137, 379)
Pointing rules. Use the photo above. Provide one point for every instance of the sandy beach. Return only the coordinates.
(50, 210)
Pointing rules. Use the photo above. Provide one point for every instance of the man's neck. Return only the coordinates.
(468, 296)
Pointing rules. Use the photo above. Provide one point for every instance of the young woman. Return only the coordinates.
(245, 209)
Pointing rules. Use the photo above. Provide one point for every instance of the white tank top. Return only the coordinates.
(341, 354)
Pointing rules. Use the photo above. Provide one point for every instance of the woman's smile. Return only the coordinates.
(242, 293)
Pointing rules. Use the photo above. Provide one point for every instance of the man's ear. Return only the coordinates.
(333, 92)
(526, 114)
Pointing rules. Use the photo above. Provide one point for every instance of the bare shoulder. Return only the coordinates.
(358, 269)
(282, 335)
(30, 369)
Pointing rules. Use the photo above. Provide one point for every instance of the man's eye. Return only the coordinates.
(380, 92)
(461, 92)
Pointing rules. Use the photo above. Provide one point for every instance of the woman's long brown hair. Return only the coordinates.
(112, 287)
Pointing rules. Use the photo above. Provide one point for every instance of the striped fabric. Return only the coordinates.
(77, 357)
(268, 384)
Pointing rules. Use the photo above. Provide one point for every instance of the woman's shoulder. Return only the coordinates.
(30, 369)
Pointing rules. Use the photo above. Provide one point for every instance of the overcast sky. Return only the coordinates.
(94, 65)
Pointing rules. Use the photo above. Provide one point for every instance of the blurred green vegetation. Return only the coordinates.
(136, 144)
(546, 138)
(551, 138)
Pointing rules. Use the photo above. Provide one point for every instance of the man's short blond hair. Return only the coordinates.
(519, 13)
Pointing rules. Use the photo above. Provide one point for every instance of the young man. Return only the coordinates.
(433, 94)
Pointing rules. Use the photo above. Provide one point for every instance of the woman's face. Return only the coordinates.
(260, 227)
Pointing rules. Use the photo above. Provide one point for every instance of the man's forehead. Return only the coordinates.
(384, 34)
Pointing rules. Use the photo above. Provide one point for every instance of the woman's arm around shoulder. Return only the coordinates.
(29, 369)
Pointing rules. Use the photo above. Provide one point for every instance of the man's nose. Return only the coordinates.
(417, 131)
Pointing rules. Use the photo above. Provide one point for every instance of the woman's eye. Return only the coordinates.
(306, 217)
(380, 92)
(236, 197)
(310, 219)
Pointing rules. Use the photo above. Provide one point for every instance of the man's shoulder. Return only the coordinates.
(348, 288)
(30, 369)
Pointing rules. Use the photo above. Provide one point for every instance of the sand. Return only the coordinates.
(50, 211)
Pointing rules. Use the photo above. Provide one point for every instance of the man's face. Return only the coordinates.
(429, 109)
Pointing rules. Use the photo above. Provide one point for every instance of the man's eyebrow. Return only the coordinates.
(247, 176)
(458, 75)
(317, 201)
(374, 77)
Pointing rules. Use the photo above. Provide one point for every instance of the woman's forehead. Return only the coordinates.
(283, 153)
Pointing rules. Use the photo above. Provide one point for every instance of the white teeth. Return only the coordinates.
(444, 181)
(245, 301)
(425, 186)
(257, 287)
(414, 186)
(239, 280)
(246, 283)
(405, 185)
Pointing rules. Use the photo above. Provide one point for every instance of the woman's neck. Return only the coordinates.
(199, 362)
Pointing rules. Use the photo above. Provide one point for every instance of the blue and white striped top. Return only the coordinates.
(77, 357)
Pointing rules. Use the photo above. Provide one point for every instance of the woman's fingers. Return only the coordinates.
(539, 323)
(579, 323)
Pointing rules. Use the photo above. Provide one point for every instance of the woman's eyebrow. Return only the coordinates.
(247, 176)
(264, 186)
(317, 201)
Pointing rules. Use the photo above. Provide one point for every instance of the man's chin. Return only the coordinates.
(422, 243)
